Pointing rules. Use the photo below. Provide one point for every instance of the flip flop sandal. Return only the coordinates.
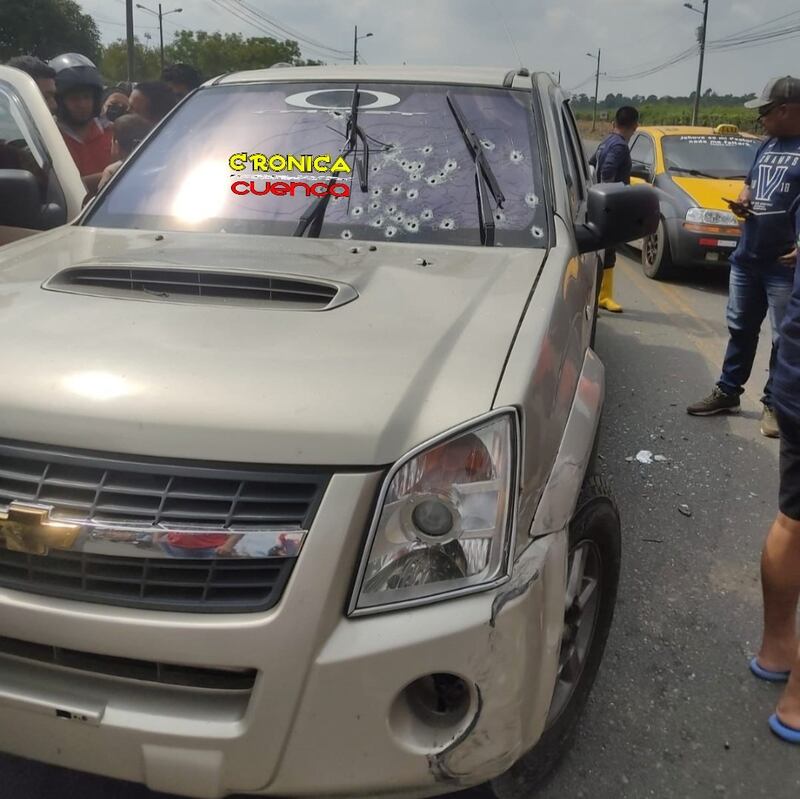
(766, 674)
(784, 731)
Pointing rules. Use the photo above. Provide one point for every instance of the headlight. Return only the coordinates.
(444, 521)
(708, 216)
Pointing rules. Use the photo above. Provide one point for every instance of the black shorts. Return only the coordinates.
(789, 494)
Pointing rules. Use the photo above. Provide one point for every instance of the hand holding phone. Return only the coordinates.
(740, 209)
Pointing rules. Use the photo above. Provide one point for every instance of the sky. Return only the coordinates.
(550, 35)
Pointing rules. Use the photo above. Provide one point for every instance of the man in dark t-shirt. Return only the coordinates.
(779, 657)
(761, 266)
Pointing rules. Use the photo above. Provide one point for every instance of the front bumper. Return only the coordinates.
(695, 249)
(325, 716)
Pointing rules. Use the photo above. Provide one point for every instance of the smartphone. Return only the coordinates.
(738, 208)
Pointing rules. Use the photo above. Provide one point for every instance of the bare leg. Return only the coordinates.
(780, 583)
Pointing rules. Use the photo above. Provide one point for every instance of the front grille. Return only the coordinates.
(154, 494)
(130, 668)
(189, 285)
(105, 489)
(197, 586)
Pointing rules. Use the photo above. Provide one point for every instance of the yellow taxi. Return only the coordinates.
(696, 170)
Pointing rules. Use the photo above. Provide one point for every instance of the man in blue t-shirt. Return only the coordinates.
(761, 266)
(612, 163)
(779, 657)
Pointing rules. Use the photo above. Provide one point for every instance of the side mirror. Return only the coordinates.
(20, 203)
(616, 214)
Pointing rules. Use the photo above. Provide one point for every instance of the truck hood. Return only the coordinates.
(420, 348)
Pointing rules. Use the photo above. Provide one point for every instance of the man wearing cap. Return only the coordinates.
(762, 266)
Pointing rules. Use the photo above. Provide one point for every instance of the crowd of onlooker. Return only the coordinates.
(102, 124)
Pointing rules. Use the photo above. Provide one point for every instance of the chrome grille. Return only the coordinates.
(100, 488)
(145, 509)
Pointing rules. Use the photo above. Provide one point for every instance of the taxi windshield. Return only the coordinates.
(722, 157)
(261, 159)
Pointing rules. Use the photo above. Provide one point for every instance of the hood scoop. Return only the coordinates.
(201, 286)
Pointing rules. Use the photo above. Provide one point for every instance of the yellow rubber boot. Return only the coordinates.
(606, 299)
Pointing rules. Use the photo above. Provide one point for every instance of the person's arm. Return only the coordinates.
(92, 182)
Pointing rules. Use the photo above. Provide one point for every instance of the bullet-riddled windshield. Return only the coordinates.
(293, 159)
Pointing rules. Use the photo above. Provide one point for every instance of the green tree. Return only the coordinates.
(46, 28)
(216, 53)
(114, 63)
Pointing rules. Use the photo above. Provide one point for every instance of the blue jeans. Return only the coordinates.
(754, 290)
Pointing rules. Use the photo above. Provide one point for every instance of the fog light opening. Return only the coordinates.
(433, 711)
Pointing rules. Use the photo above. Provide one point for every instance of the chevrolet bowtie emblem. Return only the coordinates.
(28, 528)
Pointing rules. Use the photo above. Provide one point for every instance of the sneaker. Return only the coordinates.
(716, 402)
(769, 424)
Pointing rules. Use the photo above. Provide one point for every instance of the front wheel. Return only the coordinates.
(593, 567)
(656, 254)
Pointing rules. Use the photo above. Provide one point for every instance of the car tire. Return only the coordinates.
(595, 531)
(656, 254)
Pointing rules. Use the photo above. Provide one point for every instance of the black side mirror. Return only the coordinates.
(20, 203)
(616, 214)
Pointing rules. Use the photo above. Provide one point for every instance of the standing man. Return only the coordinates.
(79, 91)
(761, 266)
(612, 163)
(44, 76)
(779, 657)
(181, 79)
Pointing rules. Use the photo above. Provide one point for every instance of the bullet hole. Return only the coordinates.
(377, 191)
(537, 232)
(378, 222)
(516, 157)
(487, 144)
(450, 165)
(415, 176)
(427, 149)
(346, 234)
(412, 225)
(412, 194)
(399, 217)
(409, 167)
(531, 200)
(374, 205)
(357, 211)
(391, 210)
(427, 215)
(447, 224)
(397, 188)
(499, 216)
(390, 232)
(404, 163)
(375, 168)
(433, 180)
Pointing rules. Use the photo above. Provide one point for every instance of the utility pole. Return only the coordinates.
(129, 36)
(355, 44)
(596, 88)
(161, 14)
(703, 30)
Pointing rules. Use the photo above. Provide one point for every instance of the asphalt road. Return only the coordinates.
(675, 712)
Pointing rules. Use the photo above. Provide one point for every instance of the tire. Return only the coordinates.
(656, 254)
(595, 528)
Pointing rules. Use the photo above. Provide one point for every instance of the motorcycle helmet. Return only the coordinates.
(76, 71)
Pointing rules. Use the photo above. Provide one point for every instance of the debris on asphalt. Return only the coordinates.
(660, 458)
(685, 510)
(644, 456)
(653, 540)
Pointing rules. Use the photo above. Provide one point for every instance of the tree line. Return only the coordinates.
(46, 28)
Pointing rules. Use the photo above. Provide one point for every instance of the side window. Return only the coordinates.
(21, 147)
(577, 169)
(642, 152)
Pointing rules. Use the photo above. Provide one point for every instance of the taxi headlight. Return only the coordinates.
(445, 519)
(709, 216)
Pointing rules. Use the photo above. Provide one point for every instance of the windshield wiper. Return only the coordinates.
(484, 176)
(313, 217)
(696, 173)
